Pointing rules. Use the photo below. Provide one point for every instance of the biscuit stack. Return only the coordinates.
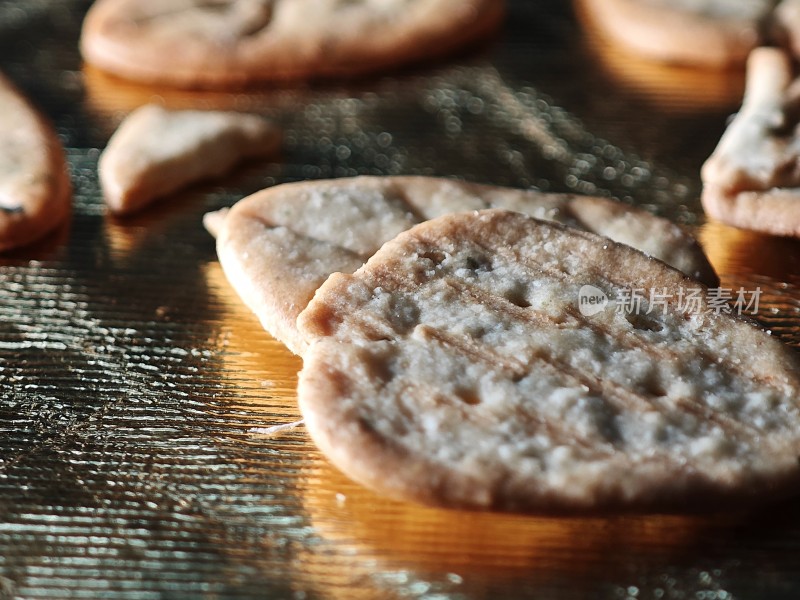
(457, 367)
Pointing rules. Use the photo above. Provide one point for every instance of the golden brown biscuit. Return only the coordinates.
(714, 33)
(458, 368)
(752, 180)
(35, 191)
(196, 43)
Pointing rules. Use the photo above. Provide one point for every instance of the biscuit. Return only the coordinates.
(456, 369)
(35, 191)
(713, 33)
(279, 245)
(194, 43)
(156, 151)
(751, 180)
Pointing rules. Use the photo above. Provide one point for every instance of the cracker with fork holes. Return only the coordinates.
(456, 369)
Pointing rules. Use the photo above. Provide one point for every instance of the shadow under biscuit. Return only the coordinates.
(379, 546)
(48, 247)
(109, 94)
(502, 545)
(251, 353)
(766, 268)
(128, 235)
(735, 251)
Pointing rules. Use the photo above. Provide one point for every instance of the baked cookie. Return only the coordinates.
(279, 245)
(752, 179)
(456, 369)
(714, 33)
(197, 43)
(156, 151)
(35, 192)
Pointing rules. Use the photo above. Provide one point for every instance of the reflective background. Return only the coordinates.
(137, 393)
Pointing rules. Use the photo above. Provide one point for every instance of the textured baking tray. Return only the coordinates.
(136, 392)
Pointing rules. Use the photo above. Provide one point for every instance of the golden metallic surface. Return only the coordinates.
(149, 445)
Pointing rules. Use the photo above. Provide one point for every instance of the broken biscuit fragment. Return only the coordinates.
(457, 369)
(157, 151)
(214, 221)
(35, 191)
(752, 179)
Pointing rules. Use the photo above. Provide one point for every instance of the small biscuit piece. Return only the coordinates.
(714, 33)
(213, 221)
(456, 368)
(156, 151)
(219, 43)
(35, 192)
(278, 245)
(752, 179)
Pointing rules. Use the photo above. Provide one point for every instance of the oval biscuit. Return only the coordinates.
(457, 368)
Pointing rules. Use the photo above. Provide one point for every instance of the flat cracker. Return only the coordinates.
(456, 369)
(713, 33)
(155, 152)
(752, 179)
(222, 43)
(35, 191)
(279, 245)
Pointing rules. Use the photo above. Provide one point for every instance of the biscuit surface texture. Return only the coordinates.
(455, 369)
(156, 151)
(279, 245)
(752, 180)
(231, 42)
(35, 192)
